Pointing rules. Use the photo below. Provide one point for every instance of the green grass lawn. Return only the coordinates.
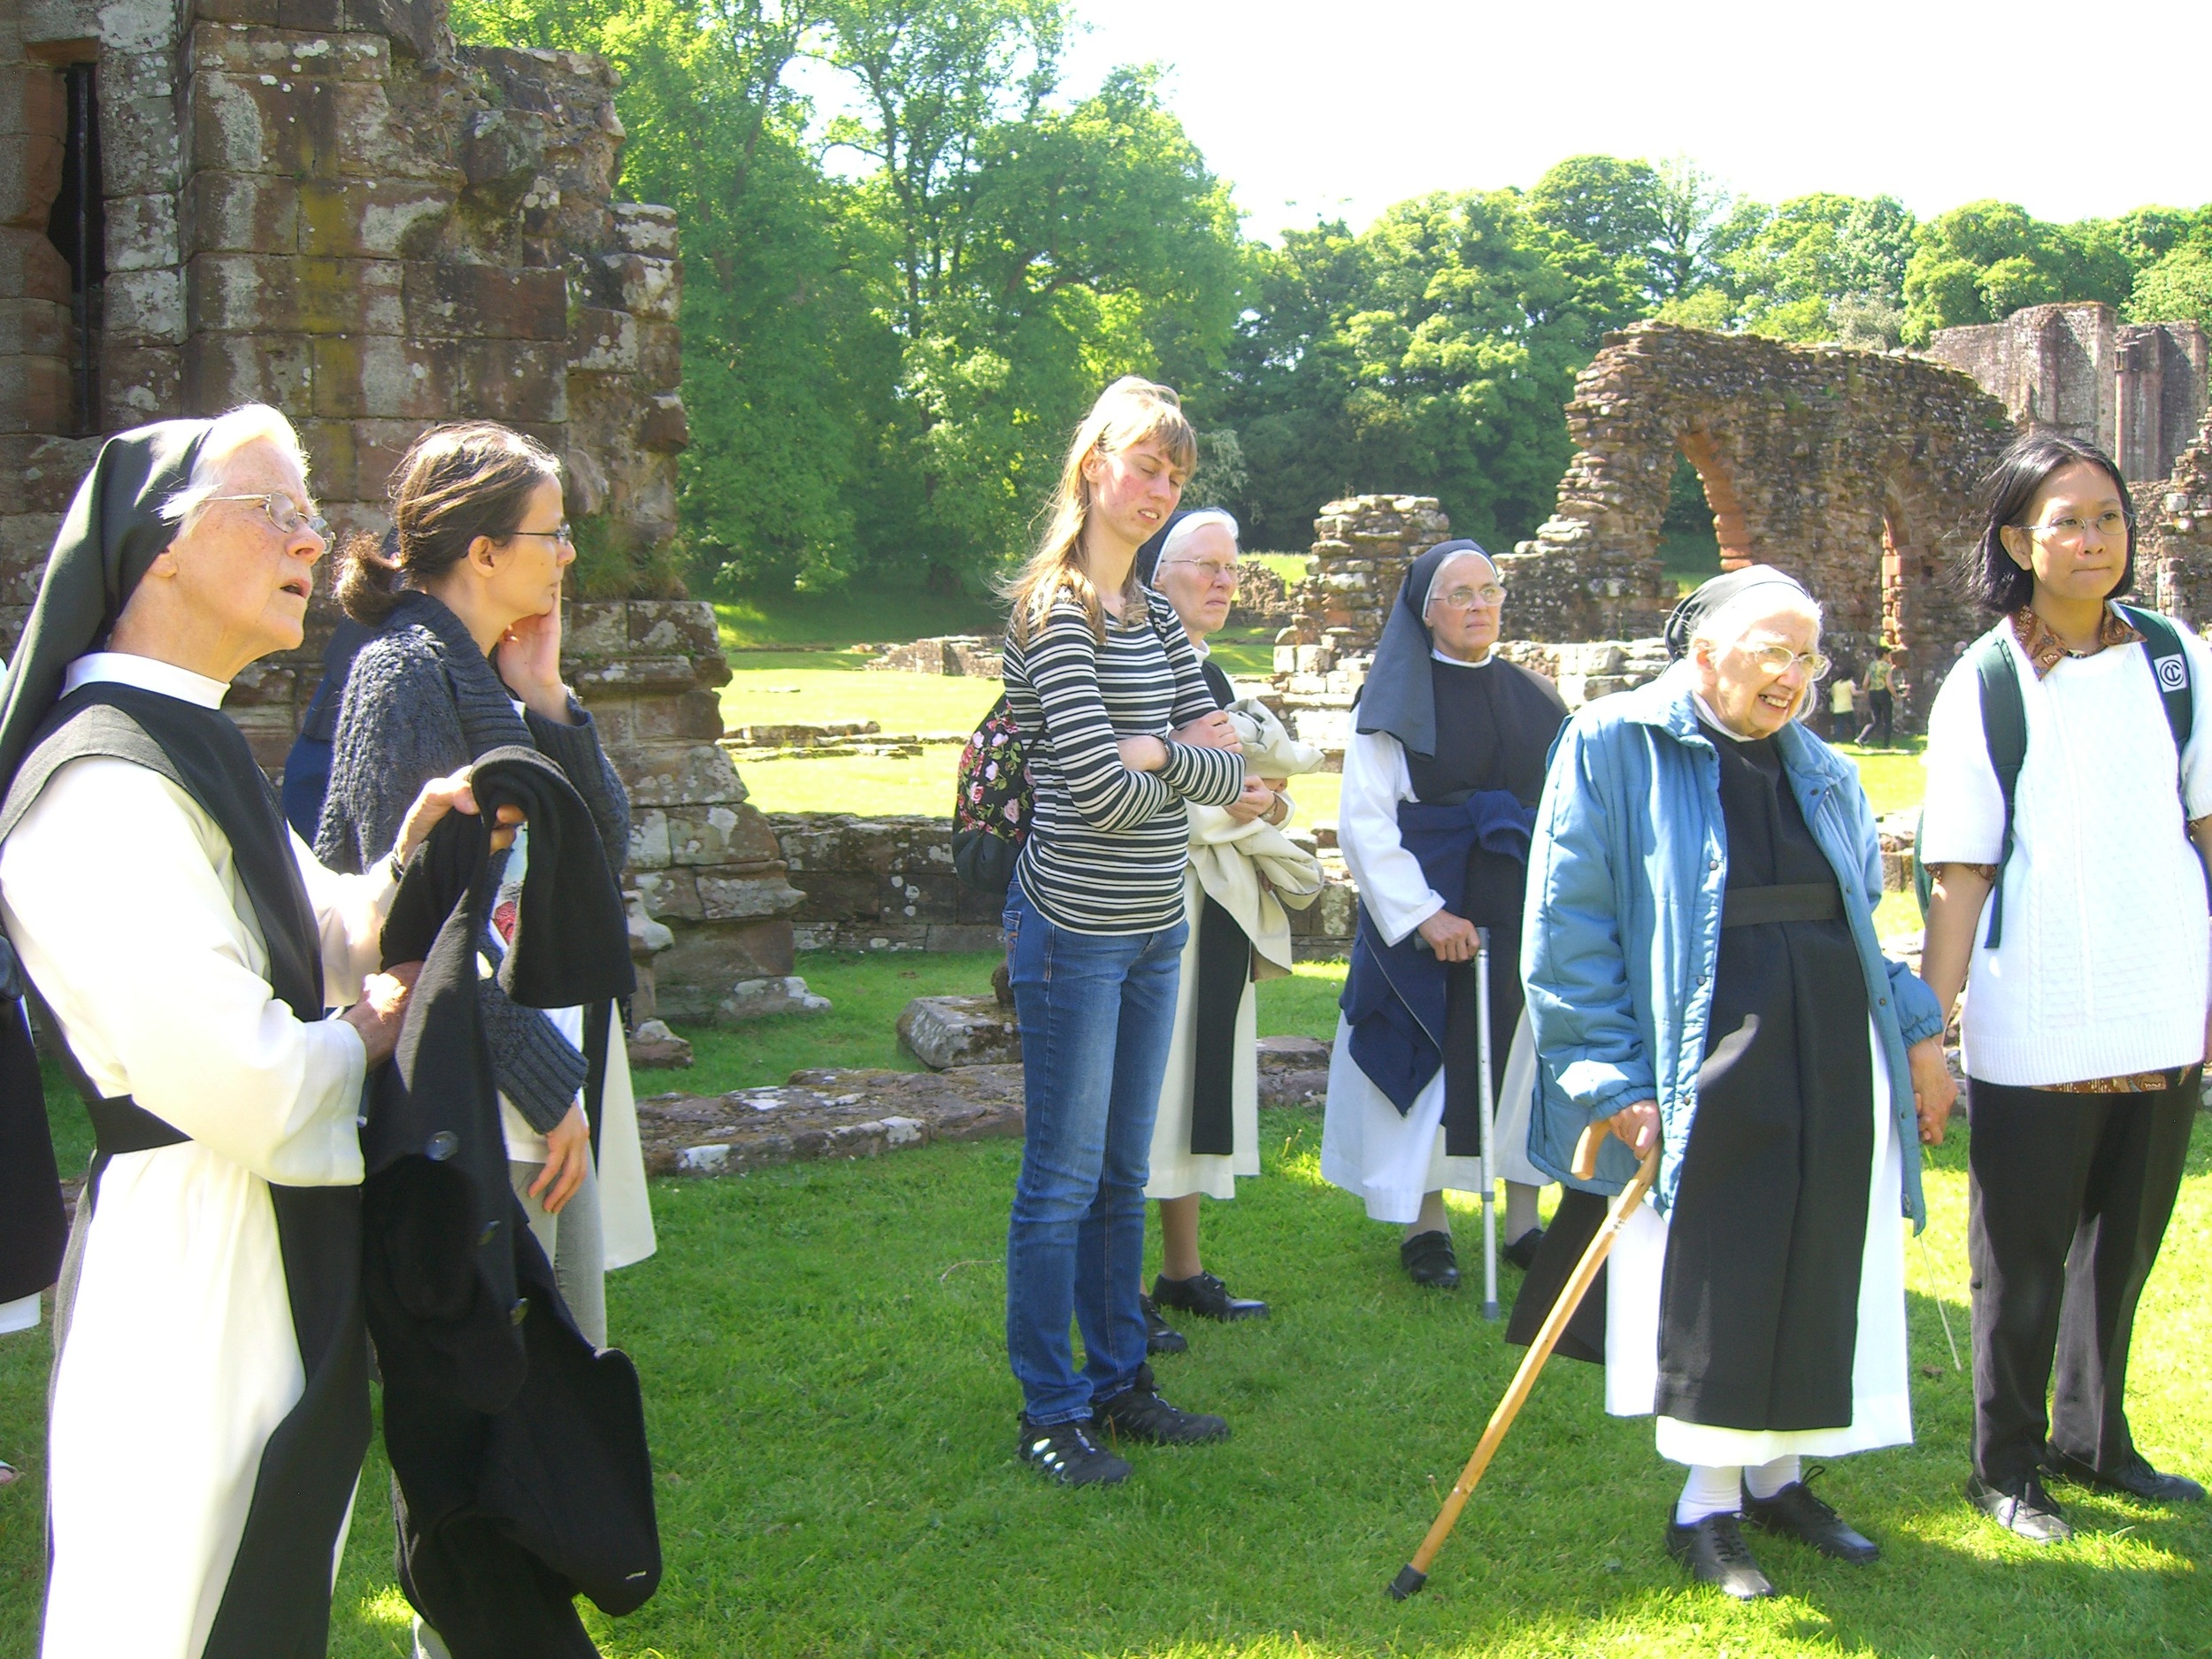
(867, 610)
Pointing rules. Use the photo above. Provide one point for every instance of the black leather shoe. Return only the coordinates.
(1714, 1551)
(1138, 1413)
(1794, 1512)
(1207, 1296)
(2134, 1478)
(1160, 1337)
(2028, 1513)
(1521, 1251)
(1429, 1259)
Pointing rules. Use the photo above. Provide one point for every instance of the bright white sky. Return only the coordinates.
(1338, 110)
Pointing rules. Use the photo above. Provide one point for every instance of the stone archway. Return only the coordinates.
(1852, 470)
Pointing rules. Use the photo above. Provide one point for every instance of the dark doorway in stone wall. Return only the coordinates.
(77, 227)
(1689, 552)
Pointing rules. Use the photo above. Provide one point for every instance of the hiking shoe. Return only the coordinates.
(1138, 1413)
(1160, 1337)
(1428, 1259)
(2027, 1513)
(1066, 1454)
(2134, 1479)
(1205, 1295)
(1714, 1551)
(1794, 1512)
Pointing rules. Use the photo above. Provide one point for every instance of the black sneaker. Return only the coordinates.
(1138, 1413)
(2026, 1512)
(1714, 1551)
(2134, 1477)
(1067, 1453)
(1205, 1295)
(1160, 1337)
(1429, 1259)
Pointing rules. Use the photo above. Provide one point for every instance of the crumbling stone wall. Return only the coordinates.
(1852, 470)
(1360, 548)
(328, 206)
(2136, 390)
(2174, 536)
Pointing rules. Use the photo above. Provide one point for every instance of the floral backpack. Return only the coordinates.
(990, 808)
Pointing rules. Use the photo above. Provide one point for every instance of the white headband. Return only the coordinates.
(1188, 525)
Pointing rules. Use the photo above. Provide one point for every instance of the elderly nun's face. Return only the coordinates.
(243, 579)
(1200, 578)
(1466, 605)
(1755, 685)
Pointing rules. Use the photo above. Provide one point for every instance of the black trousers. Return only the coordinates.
(2069, 1198)
(1881, 719)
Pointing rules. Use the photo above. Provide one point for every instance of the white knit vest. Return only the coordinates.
(2103, 966)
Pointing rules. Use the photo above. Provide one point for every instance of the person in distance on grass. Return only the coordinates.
(1441, 779)
(210, 1401)
(1119, 731)
(1703, 965)
(1238, 877)
(2086, 1025)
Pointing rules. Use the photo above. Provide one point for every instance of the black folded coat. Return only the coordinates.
(519, 1462)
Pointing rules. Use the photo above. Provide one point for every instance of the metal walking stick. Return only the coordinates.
(1488, 1123)
(1416, 1572)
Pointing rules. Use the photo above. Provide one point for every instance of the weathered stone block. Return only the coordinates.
(33, 329)
(140, 149)
(293, 52)
(223, 370)
(34, 393)
(644, 229)
(30, 177)
(684, 627)
(691, 715)
(944, 1032)
(660, 354)
(666, 426)
(393, 377)
(648, 289)
(292, 295)
(726, 896)
(372, 218)
(720, 835)
(253, 124)
(141, 383)
(142, 232)
(693, 974)
(696, 775)
(32, 266)
(487, 301)
(602, 342)
(594, 629)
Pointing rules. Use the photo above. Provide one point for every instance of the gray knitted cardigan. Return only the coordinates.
(422, 701)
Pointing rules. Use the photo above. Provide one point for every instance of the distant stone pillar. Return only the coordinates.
(1362, 546)
(704, 863)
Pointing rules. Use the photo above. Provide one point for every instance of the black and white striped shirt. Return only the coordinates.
(1106, 845)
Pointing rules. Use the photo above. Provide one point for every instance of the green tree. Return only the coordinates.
(2176, 288)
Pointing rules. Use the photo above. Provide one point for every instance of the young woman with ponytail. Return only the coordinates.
(1120, 731)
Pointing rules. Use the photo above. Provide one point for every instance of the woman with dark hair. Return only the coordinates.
(2067, 775)
(466, 659)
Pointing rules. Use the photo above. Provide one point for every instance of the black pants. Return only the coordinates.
(2069, 1199)
(1881, 719)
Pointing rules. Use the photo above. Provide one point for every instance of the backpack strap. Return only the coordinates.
(2169, 666)
(2005, 734)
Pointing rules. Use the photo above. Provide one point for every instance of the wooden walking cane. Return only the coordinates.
(1416, 1572)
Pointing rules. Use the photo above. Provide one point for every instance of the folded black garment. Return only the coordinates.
(521, 1473)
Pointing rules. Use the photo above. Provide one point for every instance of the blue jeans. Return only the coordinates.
(1097, 1011)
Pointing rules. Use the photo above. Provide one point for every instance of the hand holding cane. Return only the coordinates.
(1415, 1573)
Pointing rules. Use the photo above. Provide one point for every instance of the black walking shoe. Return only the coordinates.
(1138, 1413)
(1521, 1251)
(2028, 1513)
(1794, 1512)
(1205, 1295)
(2134, 1478)
(1429, 1259)
(1160, 1337)
(1066, 1452)
(1714, 1551)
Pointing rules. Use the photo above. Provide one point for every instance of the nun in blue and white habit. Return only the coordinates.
(1441, 782)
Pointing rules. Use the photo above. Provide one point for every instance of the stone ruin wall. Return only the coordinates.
(1853, 471)
(2174, 536)
(328, 206)
(2136, 390)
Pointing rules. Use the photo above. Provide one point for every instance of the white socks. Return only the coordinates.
(1768, 1478)
(1717, 1489)
(1711, 1489)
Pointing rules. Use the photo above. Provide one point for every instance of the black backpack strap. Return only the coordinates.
(2169, 666)
(2005, 734)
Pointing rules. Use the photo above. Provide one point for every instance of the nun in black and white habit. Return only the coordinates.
(210, 1401)
(1441, 782)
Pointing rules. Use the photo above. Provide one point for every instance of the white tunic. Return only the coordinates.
(122, 898)
(1368, 1146)
(1881, 1397)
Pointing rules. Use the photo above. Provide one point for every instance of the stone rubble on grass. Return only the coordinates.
(751, 999)
(942, 1031)
(653, 1045)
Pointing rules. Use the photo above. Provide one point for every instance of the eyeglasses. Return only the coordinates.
(2110, 526)
(1774, 661)
(286, 515)
(562, 533)
(1213, 570)
(1489, 596)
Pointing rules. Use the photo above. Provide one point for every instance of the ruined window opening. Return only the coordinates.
(77, 227)
(1689, 552)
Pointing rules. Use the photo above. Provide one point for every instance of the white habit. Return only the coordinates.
(1368, 1146)
(179, 1357)
(1881, 1396)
